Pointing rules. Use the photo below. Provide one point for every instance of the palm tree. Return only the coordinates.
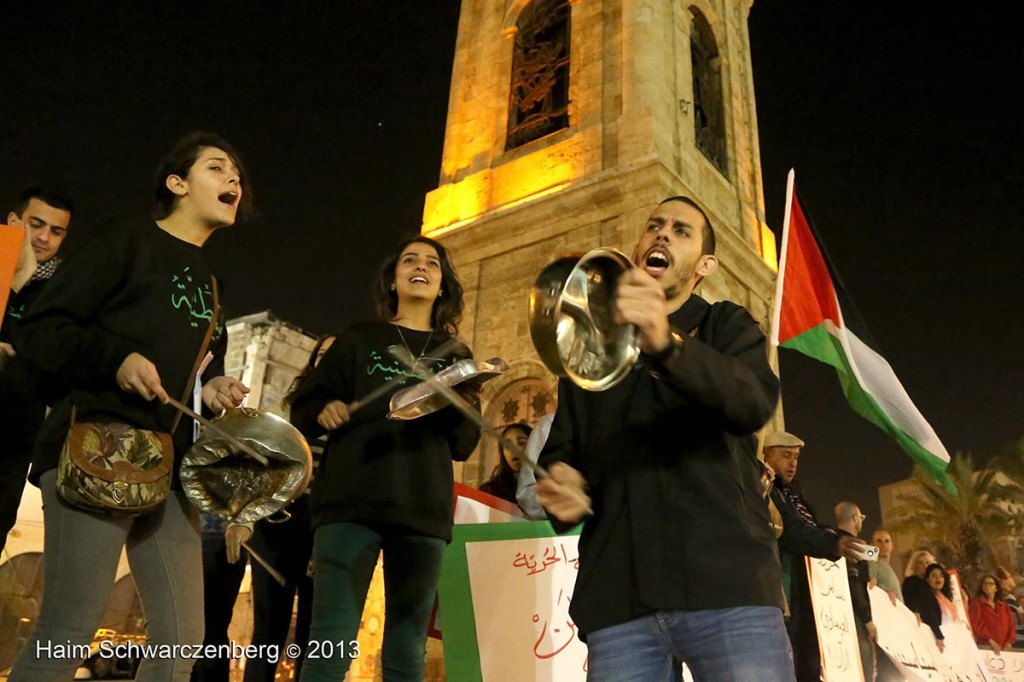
(962, 527)
(1012, 465)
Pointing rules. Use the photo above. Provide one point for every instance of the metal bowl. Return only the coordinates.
(424, 398)
(220, 480)
(572, 319)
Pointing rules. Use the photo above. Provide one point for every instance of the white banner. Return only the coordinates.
(910, 645)
(1005, 667)
(521, 595)
(962, 653)
(833, 615)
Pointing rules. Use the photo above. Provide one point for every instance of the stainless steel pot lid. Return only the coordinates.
(572, 320)
(424, 398)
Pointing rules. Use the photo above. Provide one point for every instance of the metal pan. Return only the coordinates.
(425, 398)
(221, 478)
(572, 320)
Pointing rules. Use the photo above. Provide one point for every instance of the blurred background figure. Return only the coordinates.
(991, 619)
(504, 480)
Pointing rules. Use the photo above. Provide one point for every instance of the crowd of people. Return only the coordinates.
(663, 469)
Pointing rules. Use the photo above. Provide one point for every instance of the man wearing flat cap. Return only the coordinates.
(802, 537)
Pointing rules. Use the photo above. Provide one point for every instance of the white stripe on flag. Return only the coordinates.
(876, 377)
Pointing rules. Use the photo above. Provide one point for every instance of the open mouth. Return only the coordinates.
(228, 198)
(418, 280)
(656, 262)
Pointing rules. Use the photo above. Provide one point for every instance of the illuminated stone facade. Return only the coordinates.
(631, 140)
(266, 354)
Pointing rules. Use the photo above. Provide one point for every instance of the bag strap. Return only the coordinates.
(202, 352)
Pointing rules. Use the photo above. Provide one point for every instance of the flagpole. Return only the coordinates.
(773, 338)
(777, 309)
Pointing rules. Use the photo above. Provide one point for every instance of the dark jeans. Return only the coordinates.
(287, 547)
(803, 633)
(221, 581)
(344, 556)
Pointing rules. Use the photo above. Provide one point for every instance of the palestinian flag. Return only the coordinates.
(814, 315)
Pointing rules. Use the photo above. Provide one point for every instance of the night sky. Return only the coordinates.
(903, 124)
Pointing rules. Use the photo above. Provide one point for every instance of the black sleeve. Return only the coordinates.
(801, 537)
(859, 591)
(732, 379)
(912, 588)
(59, 333)
(331, 380)
(462, 432)
(931, 615)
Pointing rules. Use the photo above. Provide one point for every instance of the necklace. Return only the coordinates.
(423, 352)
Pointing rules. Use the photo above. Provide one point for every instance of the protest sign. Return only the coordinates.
(833, 615)
(10, 245)
(505, 591)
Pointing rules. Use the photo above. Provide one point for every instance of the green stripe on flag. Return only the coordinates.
(820, 344)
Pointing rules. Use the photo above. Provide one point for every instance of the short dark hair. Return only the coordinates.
(52, 195)
(708, 241)
(179, 161)
(447, 310)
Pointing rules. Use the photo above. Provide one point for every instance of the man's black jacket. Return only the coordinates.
(670, 458)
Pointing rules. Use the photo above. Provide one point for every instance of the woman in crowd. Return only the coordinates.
(914, 584)
(936, 605)
(120, 329)
(384, 485)
(991, 619)
(505, 477)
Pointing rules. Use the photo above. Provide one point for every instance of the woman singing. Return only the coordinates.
(118, 330)
(384, 486)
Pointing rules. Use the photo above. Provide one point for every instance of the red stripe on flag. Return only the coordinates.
(808, 297)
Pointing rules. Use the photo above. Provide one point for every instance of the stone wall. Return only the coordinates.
(507, 214)
(266, 354)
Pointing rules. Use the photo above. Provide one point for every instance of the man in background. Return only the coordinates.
(802, 537)
(885, 578)
(850, 522)
(44, 213)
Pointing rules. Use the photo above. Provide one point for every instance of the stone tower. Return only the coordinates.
(567, 122)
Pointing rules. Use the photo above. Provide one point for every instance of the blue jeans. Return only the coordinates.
(344, 556)
(743, 644)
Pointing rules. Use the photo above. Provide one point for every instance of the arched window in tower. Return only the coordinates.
(539, 94)
(708, 102)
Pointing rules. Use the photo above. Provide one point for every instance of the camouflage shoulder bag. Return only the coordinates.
(112, 468)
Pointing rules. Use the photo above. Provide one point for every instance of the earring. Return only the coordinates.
(440, 293)
(392, 287)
